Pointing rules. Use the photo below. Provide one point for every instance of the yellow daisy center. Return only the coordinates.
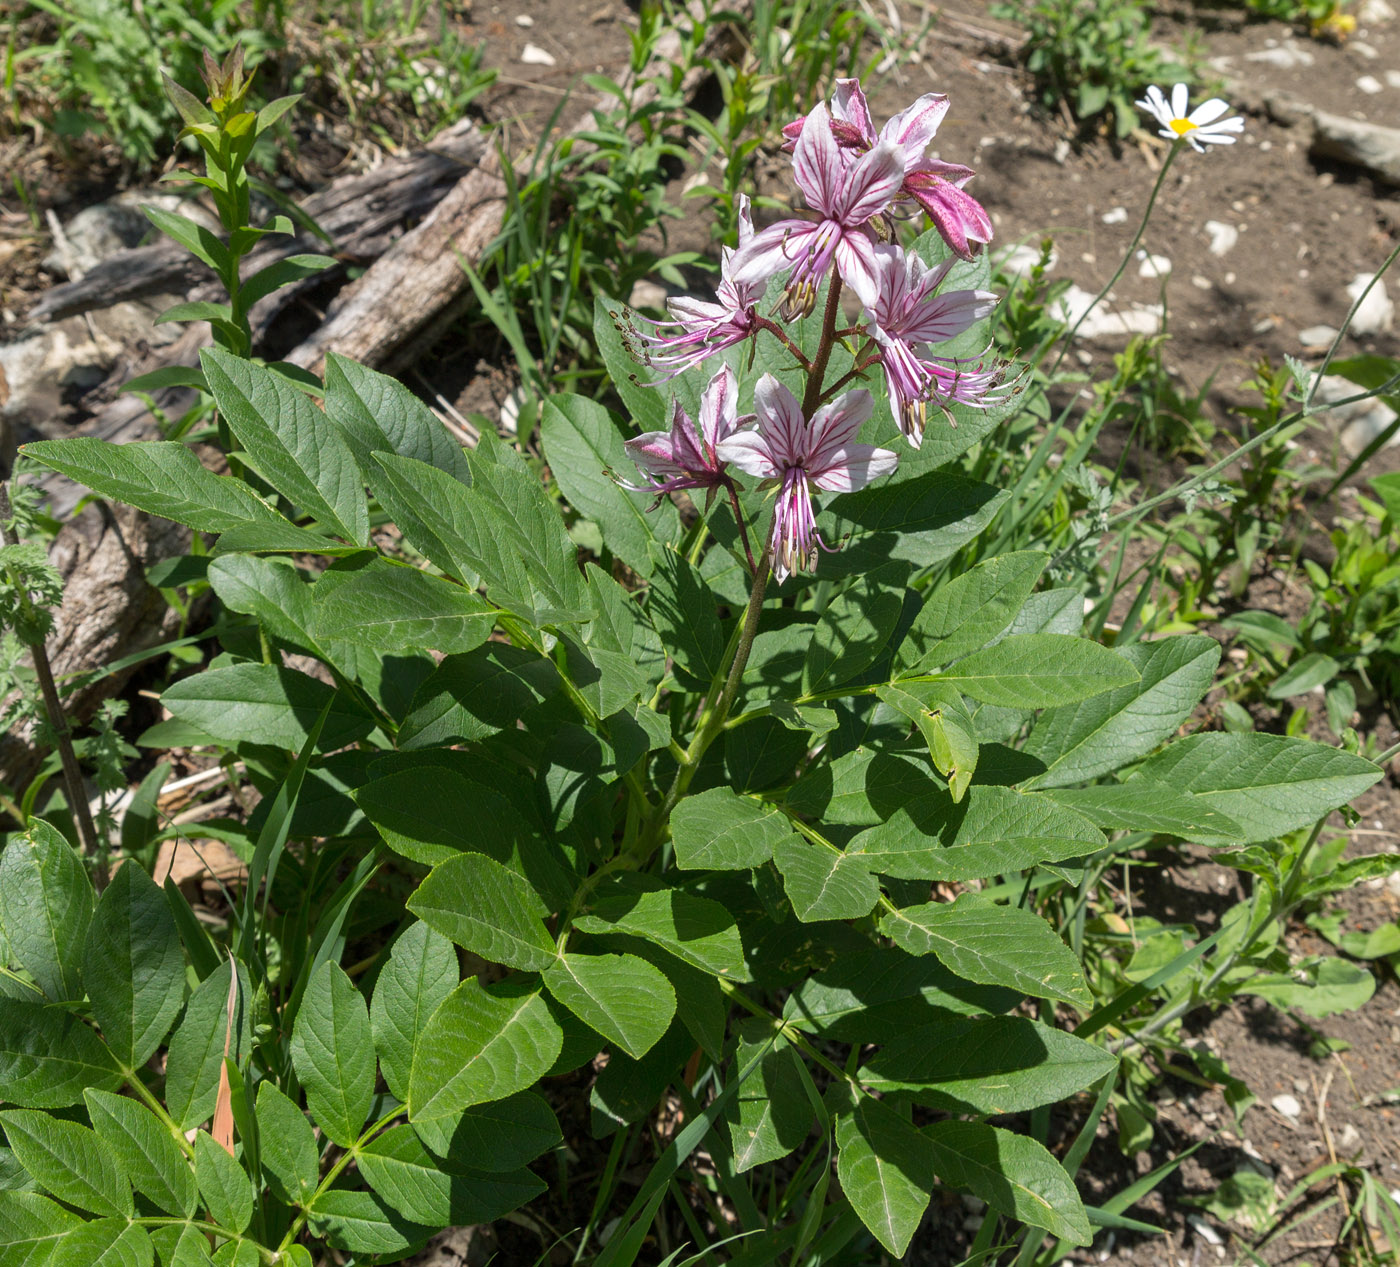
(1182, 126)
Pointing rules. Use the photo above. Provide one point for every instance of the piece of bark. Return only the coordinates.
(362, 214)
(404, 299)
(109, 611)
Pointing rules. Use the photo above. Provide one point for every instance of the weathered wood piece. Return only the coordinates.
(362, 214)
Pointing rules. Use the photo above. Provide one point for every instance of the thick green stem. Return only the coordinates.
(713, 717)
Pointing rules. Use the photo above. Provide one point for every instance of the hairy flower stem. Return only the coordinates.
(812, 397)
(92, 845)
(743, 531)
(713, 718)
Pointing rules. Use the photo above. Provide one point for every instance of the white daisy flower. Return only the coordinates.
(1202, 124)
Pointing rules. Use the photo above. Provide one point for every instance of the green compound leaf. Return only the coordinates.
(624, 998)
(1012, 1174)
(969, 611)
(287, 1146)
(134, 966)
(196, 1051)
(823, 883)
(46, 906)
(993, 831)
(333, 1053)
(31, 1226)
(585, 451)
(272, 590)
(420, 973)
(287, 440)
(266, 704)
(681, 607)
(48, 1057)
(106, 1243)
(919, 521)
(481, 1045)
(440, 1192)
(1268, 784)
(161, 477)
(388, 607)
(494, 1137)
(1147, 805)
(886, 1168)
(717, 830)
(145, 1149)
(855, 629)
(69, 1162)
(364, 1223)
(697, 930)
(1039, 671)
(487, 909)
(1081, 741)
(992, 945)
(227, 1193)
(990, 1065)
(502, 529)
(377, 413)
(770, 1115)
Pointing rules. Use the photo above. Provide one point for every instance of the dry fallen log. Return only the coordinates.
(418, 286)
(362, 214)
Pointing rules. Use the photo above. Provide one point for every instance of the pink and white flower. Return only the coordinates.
(936, 186)
(847, 192)
(907, 315)
(698, 329)
(681, 457)
(800, 456)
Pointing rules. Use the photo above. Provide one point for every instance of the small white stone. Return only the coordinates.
(1204, 1230)
(1283, 58)
(1370, 84)
(1363, 49)
(1316, 336)
(1222, 236)
(534, 55)
(1264, 326)
(1154, 265)
(1288, 1106)
(1349, 1138)
(1020, 259)
(510, 411)
(1392, 77)
(1201, 283)
(1377, 312)
(1116, 216)
(647, 295)
(1228, 279)
(524, 19)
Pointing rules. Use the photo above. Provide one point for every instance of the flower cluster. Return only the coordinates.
(857, 181)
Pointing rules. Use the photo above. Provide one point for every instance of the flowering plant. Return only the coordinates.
(749, 815)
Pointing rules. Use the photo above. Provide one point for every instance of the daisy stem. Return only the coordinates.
(812, 398)
(1123, 263)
